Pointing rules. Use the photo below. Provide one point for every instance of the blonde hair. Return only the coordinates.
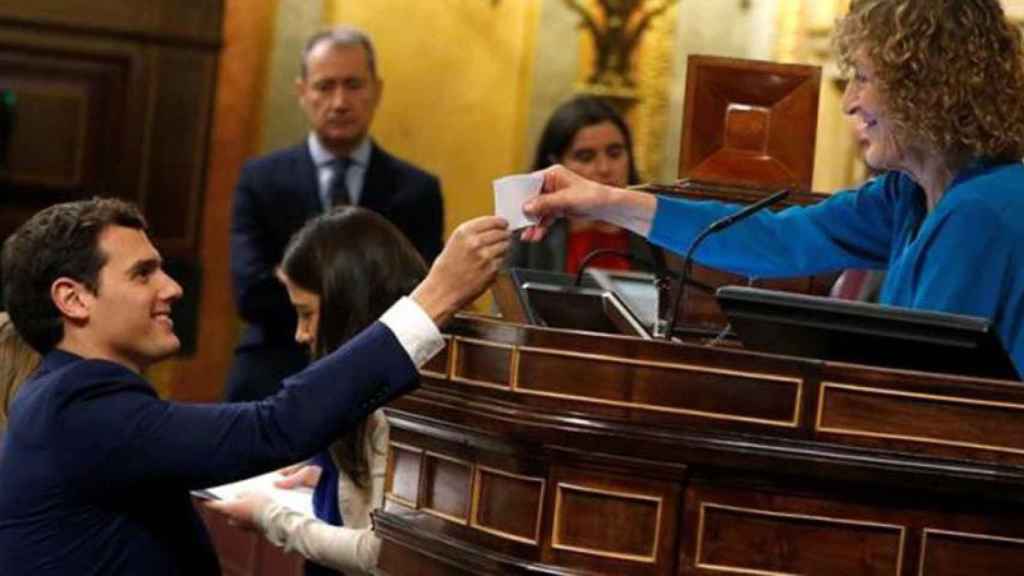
(17, 361)
(951, 72)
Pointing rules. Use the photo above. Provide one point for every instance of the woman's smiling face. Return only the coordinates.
(863, 100)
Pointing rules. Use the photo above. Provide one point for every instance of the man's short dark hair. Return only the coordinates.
(341, 36)
(60, 241)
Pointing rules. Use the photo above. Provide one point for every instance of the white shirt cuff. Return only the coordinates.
(416, 332)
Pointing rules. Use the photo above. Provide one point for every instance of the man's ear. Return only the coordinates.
(71, 298)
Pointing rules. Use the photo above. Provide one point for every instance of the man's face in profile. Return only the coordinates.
(129, 315)
(339, 95)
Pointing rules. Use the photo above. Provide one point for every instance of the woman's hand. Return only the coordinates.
(242, 512)
(300, 475)
(567, 194)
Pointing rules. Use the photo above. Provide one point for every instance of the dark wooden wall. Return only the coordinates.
(111, 98)
(152, 101)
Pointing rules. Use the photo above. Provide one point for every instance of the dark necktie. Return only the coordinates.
(337, 193)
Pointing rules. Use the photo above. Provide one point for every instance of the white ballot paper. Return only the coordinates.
(510, 193)
(298, 499)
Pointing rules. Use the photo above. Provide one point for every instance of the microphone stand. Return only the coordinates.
(716, 226)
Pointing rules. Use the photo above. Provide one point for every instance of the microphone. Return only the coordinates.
(716, 226)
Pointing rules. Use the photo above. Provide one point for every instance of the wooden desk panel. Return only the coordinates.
(564, 483)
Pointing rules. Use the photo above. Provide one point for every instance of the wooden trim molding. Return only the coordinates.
(827, 387)
(704, 506)
(474, 519)
(559, 521)
(792, 422)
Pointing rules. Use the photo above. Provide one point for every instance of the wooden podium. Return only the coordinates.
(531, 450)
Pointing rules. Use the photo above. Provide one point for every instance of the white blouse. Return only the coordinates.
(352, 548)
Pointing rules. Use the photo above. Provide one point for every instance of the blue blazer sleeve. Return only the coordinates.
(119, 431)
(851, 229)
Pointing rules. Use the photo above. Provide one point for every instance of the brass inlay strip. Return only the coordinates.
(917, 396)
(474, 521)
(448, 361)
(484, 343)
(788, 515)
(963, 535)
(389, 494)
(457, 349)
(433, 512)
(556, 543)
(793, 422)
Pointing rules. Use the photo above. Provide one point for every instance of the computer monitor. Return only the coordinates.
(862, 333)
(635, 291)
(638, 291)
(578, 308)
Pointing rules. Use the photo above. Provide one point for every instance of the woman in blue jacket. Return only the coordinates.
(937, 93)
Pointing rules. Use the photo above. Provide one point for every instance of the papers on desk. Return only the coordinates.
(510, 193)
(298, 499)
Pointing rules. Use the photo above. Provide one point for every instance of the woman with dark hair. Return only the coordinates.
(937, 92)
(342, 270)
(588, 136)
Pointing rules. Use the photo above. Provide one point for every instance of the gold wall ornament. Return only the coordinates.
(616, 27)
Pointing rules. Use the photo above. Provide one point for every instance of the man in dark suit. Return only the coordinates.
(96, 470)
(338, 90)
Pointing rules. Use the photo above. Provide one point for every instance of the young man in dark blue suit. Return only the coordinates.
(338, 90)
(96, 469)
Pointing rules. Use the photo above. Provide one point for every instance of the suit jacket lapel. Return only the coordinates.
(307, 180)
(378, 186)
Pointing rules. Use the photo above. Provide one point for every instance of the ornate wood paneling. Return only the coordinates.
(438, 365)
(405, 465)
(507, 505)
(663, 387)
(565, 470)
(933, 419)
(196, 22)
(638, 385)
(110, 98)
(447, 487)
(637, 517)
(482, 363)
(944, 416)
(946, 553)
(749, 123)
(772, 542)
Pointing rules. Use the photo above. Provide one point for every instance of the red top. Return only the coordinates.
(585, 241)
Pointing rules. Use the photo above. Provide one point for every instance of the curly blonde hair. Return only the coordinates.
(950, 71)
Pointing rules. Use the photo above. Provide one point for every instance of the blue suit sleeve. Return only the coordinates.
(851, 229)
(131, 437)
